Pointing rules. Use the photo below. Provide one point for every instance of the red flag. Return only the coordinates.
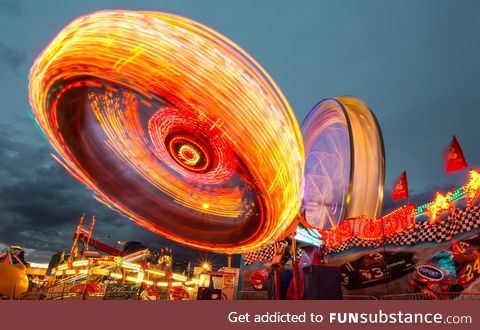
(400, 187)
(454, 159)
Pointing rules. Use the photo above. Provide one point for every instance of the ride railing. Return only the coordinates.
(253, 295)
(244, 295)
(409, 296)
(358, 297)
(434, 296)
(263, 295)
(63, 295)
(460, 296)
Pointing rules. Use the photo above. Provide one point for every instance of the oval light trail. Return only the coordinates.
(344, 162)
(172, 125)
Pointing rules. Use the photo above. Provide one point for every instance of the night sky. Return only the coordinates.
(415, 63)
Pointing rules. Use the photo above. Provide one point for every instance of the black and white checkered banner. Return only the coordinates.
(264, 254)
(459, 221)
(353, 242)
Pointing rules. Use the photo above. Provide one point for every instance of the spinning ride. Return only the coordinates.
(172, 125)
(344, 162)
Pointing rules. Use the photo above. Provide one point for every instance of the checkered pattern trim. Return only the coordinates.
(459, 221)
(464, 220)
(264, 254)
(408, 237)
(351, 243)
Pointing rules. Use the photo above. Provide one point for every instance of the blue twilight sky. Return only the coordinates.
(415, 63)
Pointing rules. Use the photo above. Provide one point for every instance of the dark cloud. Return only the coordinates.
(39, 203)
(11, 58)
(10, 7)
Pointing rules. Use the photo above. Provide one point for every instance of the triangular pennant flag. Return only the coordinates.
(400, 187)
(454, 159)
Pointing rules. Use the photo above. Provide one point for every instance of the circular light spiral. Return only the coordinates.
(172, 125)
(189, 154)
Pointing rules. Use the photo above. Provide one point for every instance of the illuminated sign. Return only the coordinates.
(98, 271)
(110, 260)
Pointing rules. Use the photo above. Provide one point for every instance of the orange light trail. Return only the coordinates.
(472, 188)
(441, 203)
(172, 125)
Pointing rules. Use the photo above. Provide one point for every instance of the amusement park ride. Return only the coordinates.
(107, 275)
(177, 128)
(13, 274)
(96, 270)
